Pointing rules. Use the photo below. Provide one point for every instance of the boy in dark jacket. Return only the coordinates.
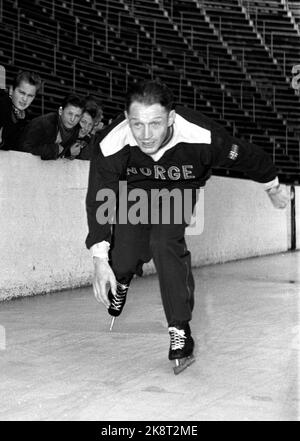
(90, 117)
(52, 135)
(14, 113)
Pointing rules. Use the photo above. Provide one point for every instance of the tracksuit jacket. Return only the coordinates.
(197, 146)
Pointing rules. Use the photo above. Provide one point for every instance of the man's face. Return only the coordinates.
(86, 124)
(70, 116)
(23, 95)
(149, 125)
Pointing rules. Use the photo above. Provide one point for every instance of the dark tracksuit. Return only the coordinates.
(197, 145)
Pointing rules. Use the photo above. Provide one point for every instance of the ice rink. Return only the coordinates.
(58, 360)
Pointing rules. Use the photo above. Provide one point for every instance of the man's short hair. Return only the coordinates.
(150, 92)
(29, 77)
(72, 100)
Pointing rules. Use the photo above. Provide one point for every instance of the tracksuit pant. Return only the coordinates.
(134, 245)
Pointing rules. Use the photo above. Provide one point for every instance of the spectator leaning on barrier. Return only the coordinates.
(90, 123)
(80, 150)
(99, 125)
(14, 113)
(52, 135)
(93, 105)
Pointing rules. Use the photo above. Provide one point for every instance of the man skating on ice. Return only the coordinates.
(155, 147)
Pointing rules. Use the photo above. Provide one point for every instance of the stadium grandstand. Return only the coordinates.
(230, 59)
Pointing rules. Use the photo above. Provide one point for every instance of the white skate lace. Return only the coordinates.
(118, 299)
(177, 338)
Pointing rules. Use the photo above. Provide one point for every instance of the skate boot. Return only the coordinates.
(117, 301)
(181, 347)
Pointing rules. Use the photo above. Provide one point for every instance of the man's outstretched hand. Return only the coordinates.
(103, 276)
(278, 196)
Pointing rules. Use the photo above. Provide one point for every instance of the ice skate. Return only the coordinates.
(181, 347)
(117, 301)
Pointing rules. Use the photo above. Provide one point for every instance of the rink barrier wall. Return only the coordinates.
(43, 225)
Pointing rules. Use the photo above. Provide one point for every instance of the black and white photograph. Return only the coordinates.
(149, 214)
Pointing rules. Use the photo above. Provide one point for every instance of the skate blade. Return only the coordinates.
(112, 323)
(183, 363)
